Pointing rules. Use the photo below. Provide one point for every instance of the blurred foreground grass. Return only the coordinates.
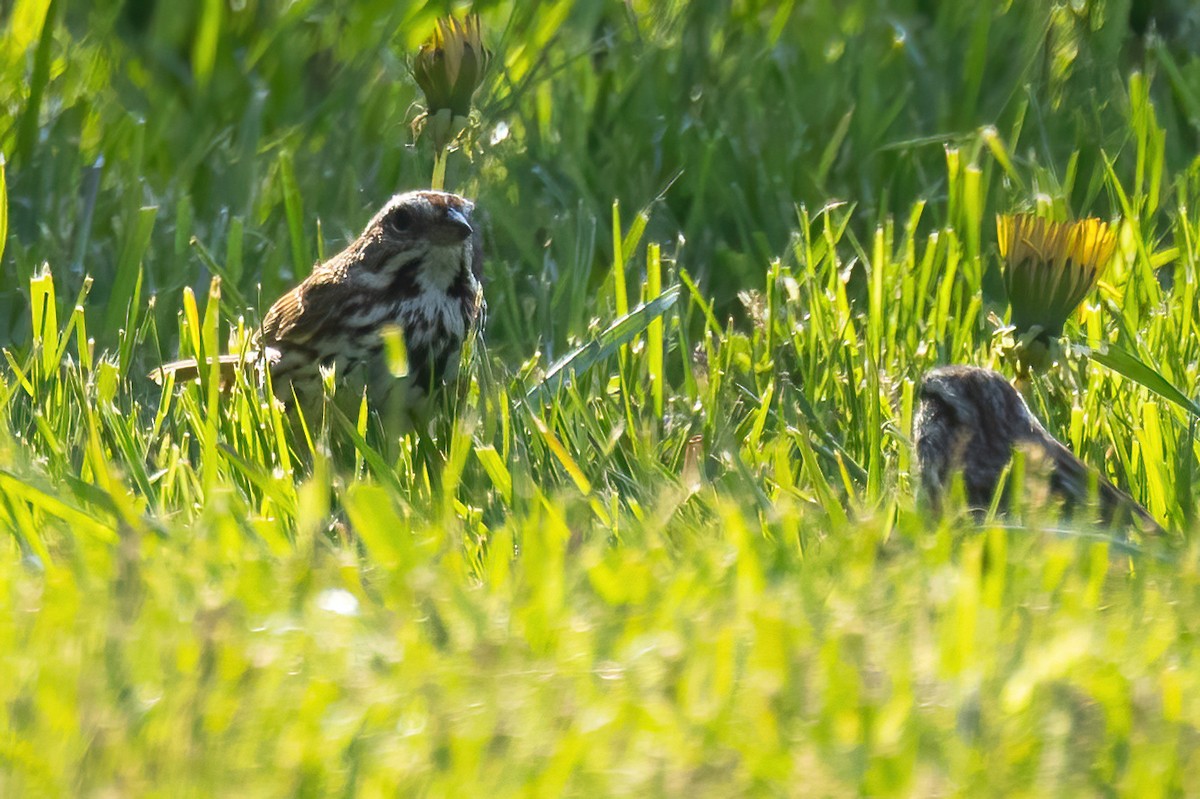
(686, 560)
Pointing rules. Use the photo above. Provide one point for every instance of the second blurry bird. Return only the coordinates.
(970, 420)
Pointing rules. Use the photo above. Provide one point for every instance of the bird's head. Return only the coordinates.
(978, 403)
(434, 226)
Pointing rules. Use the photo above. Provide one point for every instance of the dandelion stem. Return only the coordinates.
(439, 169)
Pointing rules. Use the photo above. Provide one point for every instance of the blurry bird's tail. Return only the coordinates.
(189, 368)
(1072, 481)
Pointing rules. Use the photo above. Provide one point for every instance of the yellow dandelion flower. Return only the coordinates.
(450, 66)
(1050, 267)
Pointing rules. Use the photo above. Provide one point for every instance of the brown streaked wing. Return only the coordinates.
(306, 310)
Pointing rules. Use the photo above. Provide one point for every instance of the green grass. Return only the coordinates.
(665, 539)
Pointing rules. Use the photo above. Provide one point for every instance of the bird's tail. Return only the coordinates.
(189, 368)
(1072, 481)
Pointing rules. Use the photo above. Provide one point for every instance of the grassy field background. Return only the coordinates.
(691, 561)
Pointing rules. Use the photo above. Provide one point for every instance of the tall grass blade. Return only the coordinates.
(204, 46)
(129, 266)
(563, 457)
(83, 521)
(293, 205)
(620, 332)
(497, 472)
(3, 208)
(28, 131)
(656, 346)
(44, 309)
(1130, 366)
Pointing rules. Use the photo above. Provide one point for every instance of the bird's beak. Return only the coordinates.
(456, 226)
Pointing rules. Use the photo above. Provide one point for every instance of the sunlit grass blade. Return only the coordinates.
(210, 327)
(293, 205)
(20, 372)
(83, 521)
(620, 292)
(266, 483)
(45, 318)
(191, 316)
(655, 343)
(3, 207)
(204, 45)
(991, 137)
(374, 519)
(129, 266)
(28, 131)
(395, 351)
(633, 236)
(128, 336)
(620, 332)
(760, 417)
(456, 460)
(496, 470)
(373, 458)
(1130, 366)
(77, 326)
(563, 457)
(698, 300)
(131, 454)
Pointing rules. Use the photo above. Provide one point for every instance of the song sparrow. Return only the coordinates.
(969, 421)
(417, 265)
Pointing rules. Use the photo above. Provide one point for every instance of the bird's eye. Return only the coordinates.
(400, 220)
